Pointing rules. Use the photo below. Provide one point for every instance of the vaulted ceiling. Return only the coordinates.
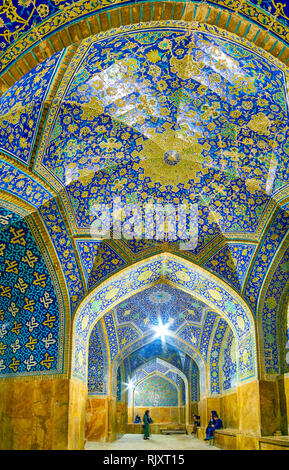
(166, 116)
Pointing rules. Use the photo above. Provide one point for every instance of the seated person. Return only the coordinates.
(214, 423)
(196, 424)
(137, 419)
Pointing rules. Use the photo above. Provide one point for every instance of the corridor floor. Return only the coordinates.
(156, 441)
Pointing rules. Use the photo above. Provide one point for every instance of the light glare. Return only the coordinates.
(162, 330)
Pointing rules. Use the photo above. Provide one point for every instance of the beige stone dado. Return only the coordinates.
(59, 414)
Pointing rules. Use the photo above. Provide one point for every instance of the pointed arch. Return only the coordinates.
(182, 274)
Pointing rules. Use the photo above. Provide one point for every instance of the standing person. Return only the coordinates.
(146, 424)
(197, 424)
(214, 423)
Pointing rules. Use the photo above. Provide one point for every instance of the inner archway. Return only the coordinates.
(159, 384)
(181, 274)
(213, 313)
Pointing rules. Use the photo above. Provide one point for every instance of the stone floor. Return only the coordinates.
(156, 441)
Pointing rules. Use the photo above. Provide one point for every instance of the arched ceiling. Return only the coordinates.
(167, 115)
(129, 328)
(139, 358)
(132, 322)
(152, 351)
(163, 302)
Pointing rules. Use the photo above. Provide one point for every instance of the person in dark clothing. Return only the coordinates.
(214, 423)
(146, 424)
(196, 424)
(137, 419)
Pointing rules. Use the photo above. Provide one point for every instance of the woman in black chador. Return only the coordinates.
(146, 424)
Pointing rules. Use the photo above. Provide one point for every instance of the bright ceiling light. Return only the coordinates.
(129, 386)
(162, 330)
